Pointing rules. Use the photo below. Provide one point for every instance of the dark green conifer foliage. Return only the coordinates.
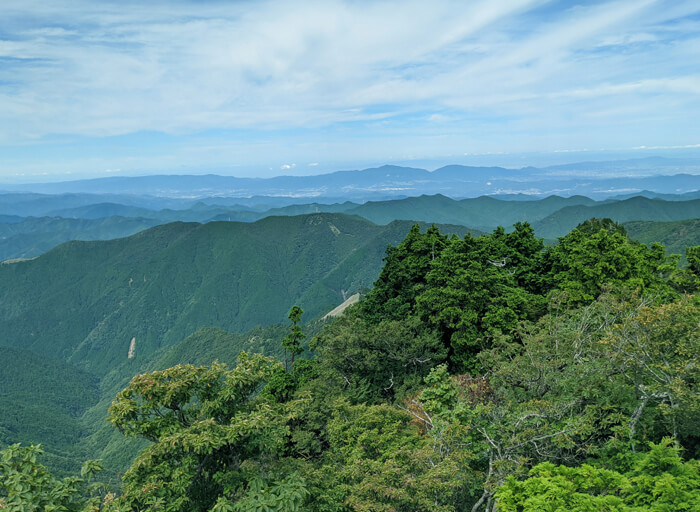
(598, 252)
(465, 290)
(292, 342)
(693, 256)
(593, 225)
(479, 288)
(404, 274)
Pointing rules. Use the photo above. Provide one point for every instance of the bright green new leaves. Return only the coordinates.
(27, 486)
(659, 482)
(286, 495)
(160, 403)
(385, 465)
(404, 275)
(215, 436)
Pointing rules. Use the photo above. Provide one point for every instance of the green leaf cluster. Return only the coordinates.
(26, 485)
(215, 437)
(658, 481)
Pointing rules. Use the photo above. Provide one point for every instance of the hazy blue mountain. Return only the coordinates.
(372, 181)
(468, 174)
(651, 162)
(655, 195)
(552, 215)
(43, 204)
(592, 179)
(10, 219)
(102, 210)
(29, 237)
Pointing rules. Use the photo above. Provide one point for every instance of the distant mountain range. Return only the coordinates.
(593, 179)
(484, 212)
(83, 302)
(554, 216)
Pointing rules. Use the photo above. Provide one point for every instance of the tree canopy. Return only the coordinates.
(484, 373)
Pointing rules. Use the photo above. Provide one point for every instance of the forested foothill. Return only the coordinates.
(483, 373)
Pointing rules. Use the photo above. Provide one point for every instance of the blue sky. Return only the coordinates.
(97, 88)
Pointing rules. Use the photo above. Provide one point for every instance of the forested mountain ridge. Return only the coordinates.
(676, 236)
(551, 216)
(485, 212)
(632, 209)
(84, 301)
(28, 237)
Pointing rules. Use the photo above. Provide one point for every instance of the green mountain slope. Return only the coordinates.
(553, 216)
(28, 237)
(85, 301)
(636, 208)
(203, 347)
(43, 399)
(181, 292)
(676, 235)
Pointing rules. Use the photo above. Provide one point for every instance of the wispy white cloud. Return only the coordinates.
(414, 69)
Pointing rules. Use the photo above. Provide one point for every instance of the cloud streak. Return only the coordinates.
(108, 69)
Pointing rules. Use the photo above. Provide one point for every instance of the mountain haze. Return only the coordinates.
(593, 179)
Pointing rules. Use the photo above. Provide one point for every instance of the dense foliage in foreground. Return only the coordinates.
(484, 373)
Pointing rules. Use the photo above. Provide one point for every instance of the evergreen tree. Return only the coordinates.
(292, 342)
